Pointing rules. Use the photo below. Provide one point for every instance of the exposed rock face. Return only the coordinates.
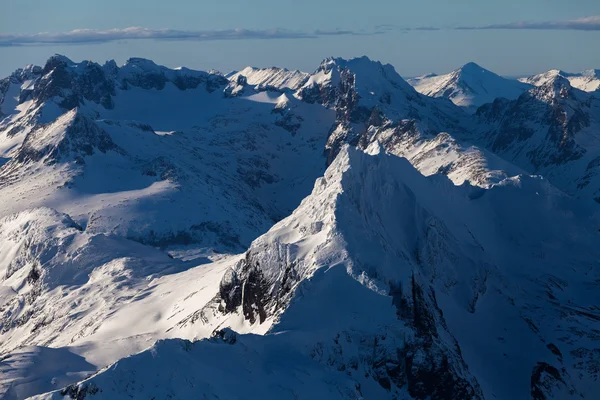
(246, 288)
(146, 74)
(433, 370)
(547, 383)
(232, 290)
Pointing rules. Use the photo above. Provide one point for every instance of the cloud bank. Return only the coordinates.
(94, 36)
(91, 36)
(591, 23)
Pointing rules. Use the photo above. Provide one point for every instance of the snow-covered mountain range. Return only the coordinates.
(170, 233)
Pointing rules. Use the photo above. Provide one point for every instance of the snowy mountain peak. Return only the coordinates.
(348, 248)
(57, 60)
(142, 63)
(365, 69)
(472, 67)
(469, 86)
(357, 82)
(558, 80)
(588, 80)
(541, 79)
(554, 88)
(341, 62)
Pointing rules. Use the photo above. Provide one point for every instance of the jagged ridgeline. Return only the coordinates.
(274, 234)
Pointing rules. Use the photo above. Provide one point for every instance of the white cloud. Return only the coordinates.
(91, 36)
(591, 23)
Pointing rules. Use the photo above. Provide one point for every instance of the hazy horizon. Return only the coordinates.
(511, 38)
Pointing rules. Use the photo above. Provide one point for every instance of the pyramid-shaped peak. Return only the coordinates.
(473, 68)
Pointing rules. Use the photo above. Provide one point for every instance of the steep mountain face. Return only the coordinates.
(396, 296)
(551, 130)
(469, 86)
(140, 203)
(588, 81)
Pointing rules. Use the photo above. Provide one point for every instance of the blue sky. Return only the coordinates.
(511, 37)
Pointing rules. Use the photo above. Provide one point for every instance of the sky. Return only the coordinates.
(509, 37)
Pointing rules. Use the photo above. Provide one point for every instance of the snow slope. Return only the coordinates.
(272, 78)
(469, 86)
